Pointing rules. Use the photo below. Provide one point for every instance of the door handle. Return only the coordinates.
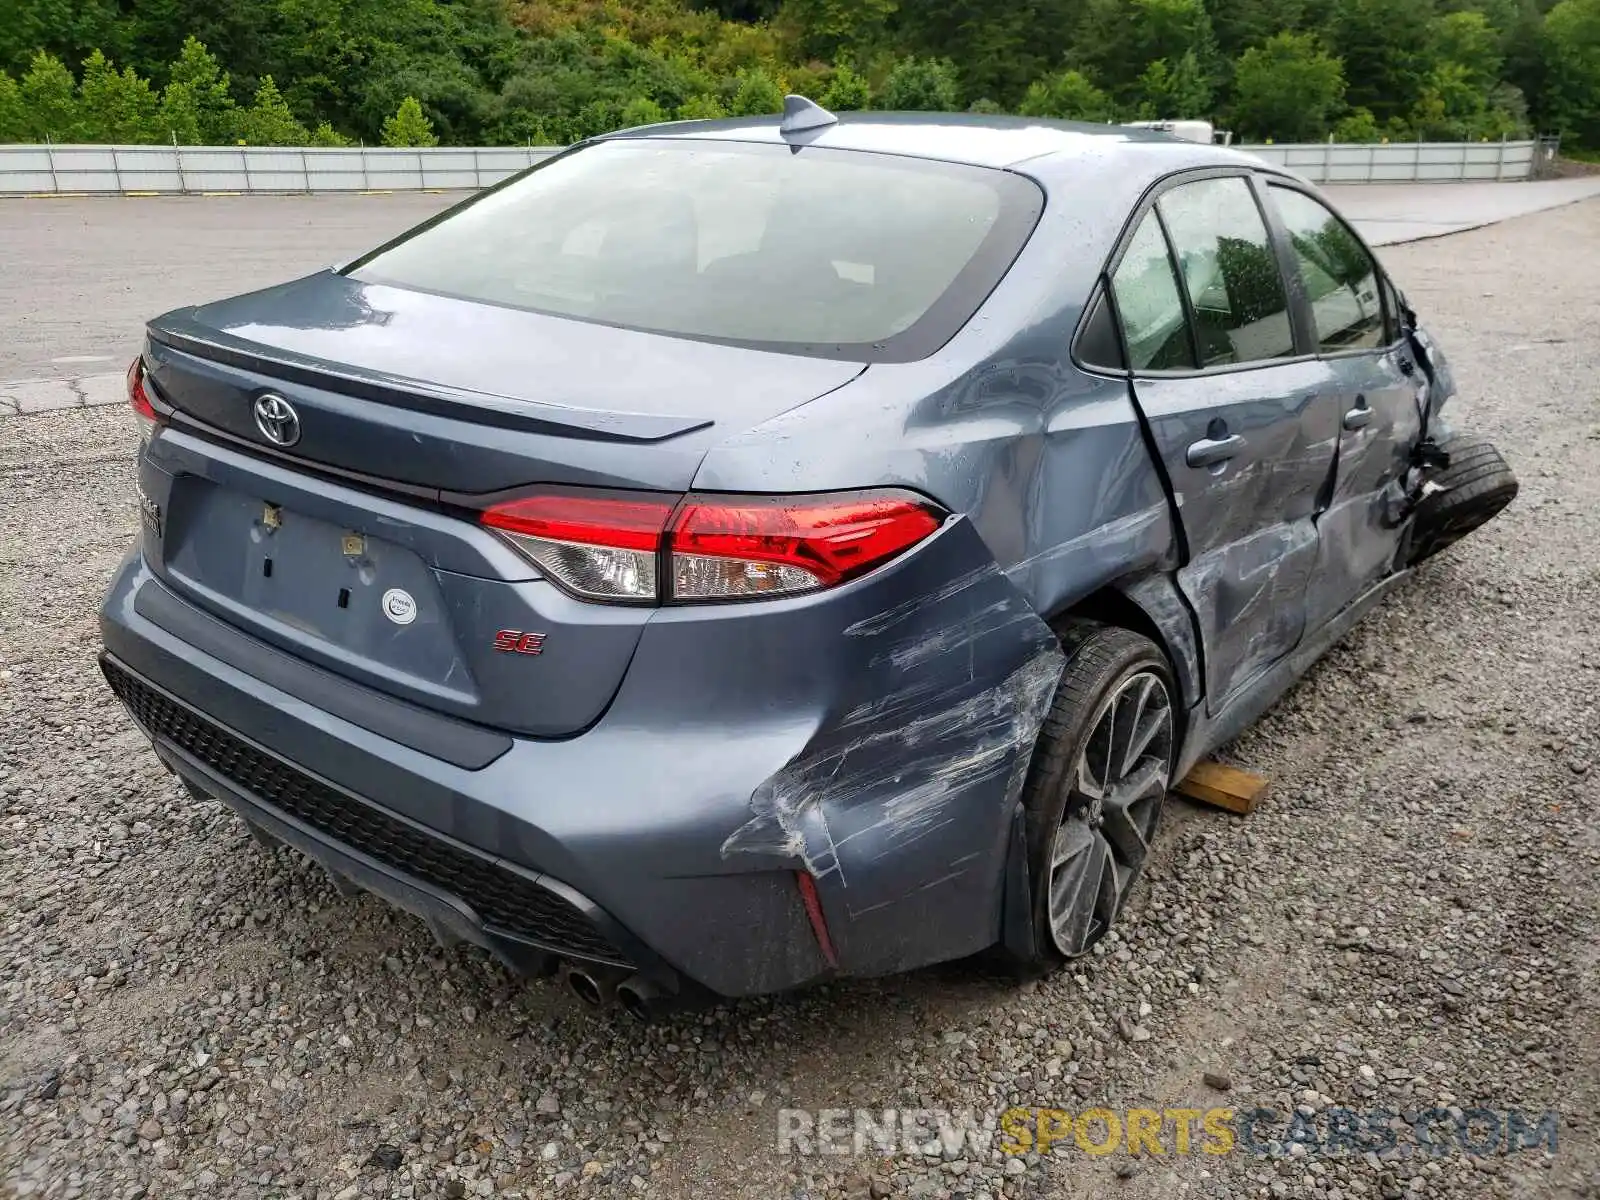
(1207, 452)
(1358, 417)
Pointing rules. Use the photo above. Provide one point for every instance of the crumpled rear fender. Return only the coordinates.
(901, 804)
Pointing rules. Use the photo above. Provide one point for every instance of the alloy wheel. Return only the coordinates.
(1112, 810)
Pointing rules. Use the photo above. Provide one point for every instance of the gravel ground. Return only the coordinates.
(1409, 920)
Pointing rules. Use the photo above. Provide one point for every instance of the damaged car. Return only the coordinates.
(732, 555)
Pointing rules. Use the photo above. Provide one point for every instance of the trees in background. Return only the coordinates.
(1289, 87)
(555, 71)
(269, 121)
(921, 85)
(49, 100)
(409, 127)
(1069, 96)
(1572, 96)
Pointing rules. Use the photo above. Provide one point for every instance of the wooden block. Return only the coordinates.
(1222, 786)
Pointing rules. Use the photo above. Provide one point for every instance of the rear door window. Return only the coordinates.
(1230, 271)
(1340, 276)
(1149, 303)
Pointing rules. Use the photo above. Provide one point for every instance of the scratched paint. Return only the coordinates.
(919, 749)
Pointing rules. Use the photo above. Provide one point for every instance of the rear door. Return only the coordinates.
(1244, 422)
(1377, 388)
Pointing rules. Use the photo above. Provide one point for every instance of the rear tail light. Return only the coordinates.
(139, 398)
(703, 547)
(723, 549)
(600, 547)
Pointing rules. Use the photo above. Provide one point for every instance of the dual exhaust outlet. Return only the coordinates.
(599, 987)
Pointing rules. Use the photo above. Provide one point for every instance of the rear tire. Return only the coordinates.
(1096, 786)
(1477, 485)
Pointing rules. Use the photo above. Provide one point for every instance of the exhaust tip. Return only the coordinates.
(585, 987)
(634, 1004)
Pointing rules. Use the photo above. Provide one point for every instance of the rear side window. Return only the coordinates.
(1149, 303)
(827, 252)
(1099, 344)
(1340, 277)
(1230, 271)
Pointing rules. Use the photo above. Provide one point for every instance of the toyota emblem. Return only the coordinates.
(277, 419)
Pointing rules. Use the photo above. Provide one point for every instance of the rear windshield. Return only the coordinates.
(826, 252)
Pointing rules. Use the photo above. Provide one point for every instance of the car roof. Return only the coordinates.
(975, 139)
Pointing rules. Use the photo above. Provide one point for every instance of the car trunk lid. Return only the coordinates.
(356, 548)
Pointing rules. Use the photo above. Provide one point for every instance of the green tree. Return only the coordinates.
(554, 70)
(1118, 40)
(1240, 24)
(12, 120)
(49, 101)
(268, 121)
(409, 126)
(450, 93)
(66, 29)
(740, 10)
(113, 106)
(1287, 88)
(825, 27)
(703, 107)
(756, 94)
(847, 91)
(921, 85)
(1358, 125)
(1453, 108)
(1572, 102)
(578, 83)
(326, 135)
(1068, 95)
(1449, 108)
(1386, 51)
(1508, 100)
(1467, 38)
(1177, 90)
(986, 107)
(998, 47)
(642, 110)
(179, 117)
(1526, 45)
(197, 71)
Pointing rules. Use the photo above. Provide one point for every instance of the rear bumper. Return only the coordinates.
(667, 837)
(524, 918)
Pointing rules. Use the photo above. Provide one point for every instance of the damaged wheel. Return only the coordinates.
(1468, 493)
(1096, 786)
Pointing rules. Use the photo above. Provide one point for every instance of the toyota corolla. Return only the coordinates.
(730, 555)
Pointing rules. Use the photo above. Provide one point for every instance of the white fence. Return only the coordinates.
(1407, 162)
(44, 170)
(112, 170)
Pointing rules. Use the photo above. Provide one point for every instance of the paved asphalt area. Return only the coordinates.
(1410, 921)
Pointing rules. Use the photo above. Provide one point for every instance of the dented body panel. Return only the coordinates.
(1250, 522)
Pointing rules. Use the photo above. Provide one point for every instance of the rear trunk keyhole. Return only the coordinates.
(344, 597)
(266, 568)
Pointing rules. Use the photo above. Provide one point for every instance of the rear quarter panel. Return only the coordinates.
(1047, 471)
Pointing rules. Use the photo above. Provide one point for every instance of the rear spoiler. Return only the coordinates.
(179, 331)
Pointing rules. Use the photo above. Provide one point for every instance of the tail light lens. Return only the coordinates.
(139, 398)
(599, 547)
(724, 549)
(702, 548)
